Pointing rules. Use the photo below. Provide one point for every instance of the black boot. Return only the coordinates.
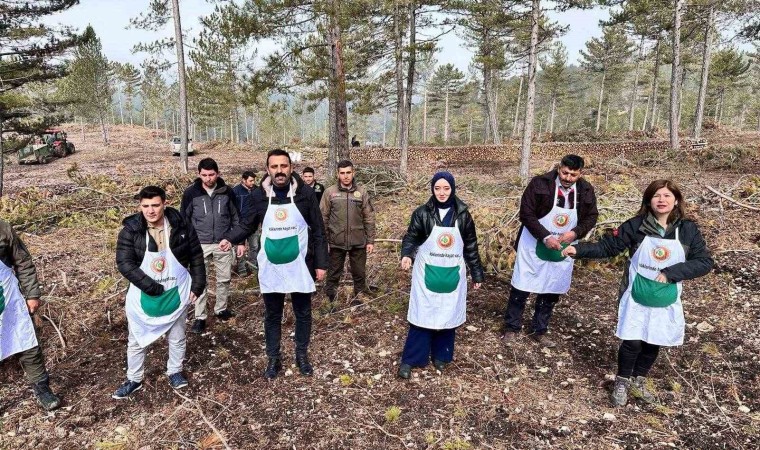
(274, 365)
(302, 361)
(45, 396)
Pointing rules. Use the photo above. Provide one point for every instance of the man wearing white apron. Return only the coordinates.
(293, 253)
(154, 251)
(17, 334)
(556, 209)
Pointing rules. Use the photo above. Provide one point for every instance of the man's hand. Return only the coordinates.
(553, 243)
(567, 237)
(225, 245)
(33, 304)
(406, 263)
(321, 274)
(193, 297)
(240, 251)
(569, 251)
(370, 248)
(661, 278)
(476, 286)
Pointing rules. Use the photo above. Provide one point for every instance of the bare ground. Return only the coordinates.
(490, 397)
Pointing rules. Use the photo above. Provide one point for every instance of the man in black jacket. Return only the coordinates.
(293, 253)
(209, 206)
(160, 233)
(556, 209)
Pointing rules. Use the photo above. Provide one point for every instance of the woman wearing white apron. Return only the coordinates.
(153, 251)
(667, 248)
(17, 334)
(441, 239)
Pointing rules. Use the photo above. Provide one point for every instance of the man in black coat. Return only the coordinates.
(293, 254)
(168, 235)
(556, 208)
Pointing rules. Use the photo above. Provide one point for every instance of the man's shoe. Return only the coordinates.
(274, 365)
(509, 337)
(640, 390)
(126, 389)
(302, 361)
(177, 380)
(619, 395)
(225, 315)
(544, 340)
(439, 365)
(47, 399)
(198, 326)
(405, 371)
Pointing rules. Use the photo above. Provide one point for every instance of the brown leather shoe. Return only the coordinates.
(510, 337)
(544, 340)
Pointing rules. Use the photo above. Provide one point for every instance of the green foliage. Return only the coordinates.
(392, 414)
(456, 444)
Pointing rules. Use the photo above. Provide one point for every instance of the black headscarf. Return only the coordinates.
(449, 203)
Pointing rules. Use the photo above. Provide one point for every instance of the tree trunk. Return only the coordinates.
(529, 105)
(469, 132)
(675, 76)
(493, 119)
(399, 72)
(339, 146)
(2, 156)
(635, 93)
(121, 108)
(409, 87)
(706, 54)
(655, 73)
(81, 124)
(245, 120)
(182, 86)
(607, 117)
(103, 129)
(385, 125)
(720, 107)
(424, 115)
(517, 107)
(601, 97)
(446, 119)
(551, 114)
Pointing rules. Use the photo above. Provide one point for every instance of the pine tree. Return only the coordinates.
(447, 86)
(556, 77)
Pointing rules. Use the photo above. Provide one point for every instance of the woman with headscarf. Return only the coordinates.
(666, 248)
(441, 240)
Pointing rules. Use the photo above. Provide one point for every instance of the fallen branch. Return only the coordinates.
(387, 240)
(57, 330)
(730, 199)
(205, 419)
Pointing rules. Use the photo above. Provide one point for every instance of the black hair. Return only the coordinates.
(308, 170)
(572, 162)
(151, 192)
(278, 152)
(248, 174)
(208, 164)
(345, 163)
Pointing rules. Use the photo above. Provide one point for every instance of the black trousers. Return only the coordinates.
(357, 260)
(635, 358)
(273, 307)
(516, 305)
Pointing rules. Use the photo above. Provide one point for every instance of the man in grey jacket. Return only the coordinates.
(208, 204)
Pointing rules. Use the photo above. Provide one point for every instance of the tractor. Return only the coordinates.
(52, 144)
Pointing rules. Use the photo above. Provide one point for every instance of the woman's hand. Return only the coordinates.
(569, 251)
(476, 286)
(406, 263)
(661, 278)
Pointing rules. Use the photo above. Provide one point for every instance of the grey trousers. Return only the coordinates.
(222, 262)
(177, 347)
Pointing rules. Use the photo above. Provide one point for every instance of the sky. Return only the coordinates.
(110, 18)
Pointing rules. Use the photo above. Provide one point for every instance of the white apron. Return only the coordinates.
(649, 310)
(438, 300)
(151, 317)
(284, 244)
(16, 327)
(541, 270)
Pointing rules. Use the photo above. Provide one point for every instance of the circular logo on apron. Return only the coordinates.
(660, 254)
(357, 194)
(561, 220)
(445, 240)
(281, 214)
(158, 265)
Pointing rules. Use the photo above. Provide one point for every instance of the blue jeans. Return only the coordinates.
(422, 344)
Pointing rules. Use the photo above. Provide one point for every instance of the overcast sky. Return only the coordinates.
(110, 18)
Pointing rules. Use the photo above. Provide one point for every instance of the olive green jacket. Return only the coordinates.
(348, 216)
(13, 253)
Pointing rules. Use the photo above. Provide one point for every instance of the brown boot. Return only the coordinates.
(544, 340)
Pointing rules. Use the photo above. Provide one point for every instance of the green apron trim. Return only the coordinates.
(282, 251)
(547, 254)
(441, 280)
(161, 305)
(653, 293)
(2, 299)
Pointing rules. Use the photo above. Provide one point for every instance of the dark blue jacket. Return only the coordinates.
(242, 197)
